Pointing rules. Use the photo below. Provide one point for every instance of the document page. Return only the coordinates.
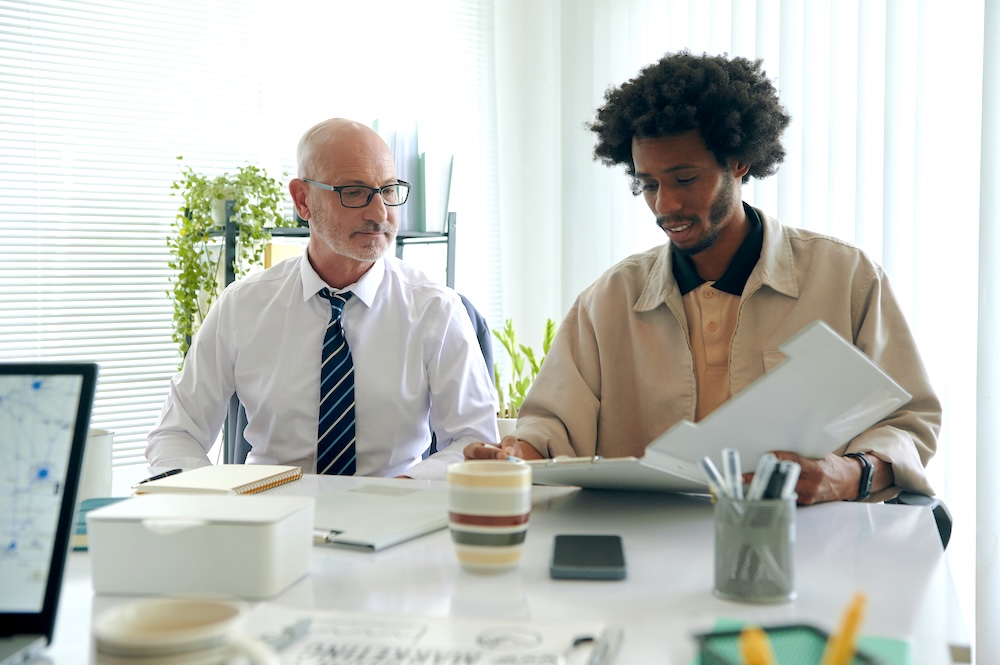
(824, 394)
(325, 637)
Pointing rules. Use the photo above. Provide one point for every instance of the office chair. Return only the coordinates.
(942, 516)
(485, 345)
(237, 447)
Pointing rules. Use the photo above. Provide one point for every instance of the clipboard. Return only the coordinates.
(373, 517)
(614, 473)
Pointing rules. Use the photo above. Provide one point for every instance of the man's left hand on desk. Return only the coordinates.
(830, 478)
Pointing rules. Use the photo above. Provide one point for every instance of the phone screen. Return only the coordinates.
(588, 557)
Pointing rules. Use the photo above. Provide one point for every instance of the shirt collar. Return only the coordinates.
(736, 275)
(364, 289)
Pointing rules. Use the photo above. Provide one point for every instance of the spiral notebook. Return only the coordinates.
(223, 479)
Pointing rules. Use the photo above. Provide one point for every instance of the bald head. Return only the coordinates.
(332, 135)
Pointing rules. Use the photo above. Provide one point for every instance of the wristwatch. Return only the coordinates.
(867, 471)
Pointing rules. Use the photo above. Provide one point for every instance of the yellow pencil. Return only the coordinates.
(755, 648)
(841, 645)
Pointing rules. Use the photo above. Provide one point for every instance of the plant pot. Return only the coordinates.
(506, 426)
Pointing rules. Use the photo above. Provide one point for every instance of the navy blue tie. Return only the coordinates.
(335, 451)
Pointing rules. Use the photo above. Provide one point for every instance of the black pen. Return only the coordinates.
(171, 472)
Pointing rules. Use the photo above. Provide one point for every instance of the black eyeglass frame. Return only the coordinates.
(371, 192)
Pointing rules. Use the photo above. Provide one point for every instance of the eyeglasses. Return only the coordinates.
(358, 196)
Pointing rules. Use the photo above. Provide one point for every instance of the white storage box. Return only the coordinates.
(249, 546)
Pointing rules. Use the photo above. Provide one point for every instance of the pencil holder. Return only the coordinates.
(754, 550)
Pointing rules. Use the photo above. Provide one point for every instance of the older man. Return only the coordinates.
(342, 356)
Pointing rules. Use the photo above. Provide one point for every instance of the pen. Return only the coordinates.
(755, 648)
(171, 472)
(605, 647)
(775, 483)
(288, 634)
(509, 458)
(715, 481)
(791, 471)
(731, 472)
(840, 647)
(761, 477)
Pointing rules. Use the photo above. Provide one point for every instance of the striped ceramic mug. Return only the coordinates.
(489, 502)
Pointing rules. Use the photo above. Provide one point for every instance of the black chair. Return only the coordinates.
(942, 516)
(237, 447)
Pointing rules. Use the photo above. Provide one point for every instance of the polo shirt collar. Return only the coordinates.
(735, 277)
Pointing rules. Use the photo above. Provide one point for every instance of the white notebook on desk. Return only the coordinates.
(374, 517)
(825, 393)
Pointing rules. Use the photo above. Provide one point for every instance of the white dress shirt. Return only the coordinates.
(417, 364)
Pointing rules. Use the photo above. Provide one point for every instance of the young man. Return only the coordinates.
(411, 356)
(672, 333)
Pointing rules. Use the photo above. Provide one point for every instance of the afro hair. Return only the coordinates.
(730, 102)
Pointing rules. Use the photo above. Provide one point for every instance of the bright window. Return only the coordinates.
(98, 98)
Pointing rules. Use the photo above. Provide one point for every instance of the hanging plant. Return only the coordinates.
(196, 242)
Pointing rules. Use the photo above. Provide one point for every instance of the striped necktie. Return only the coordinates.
(335, 450)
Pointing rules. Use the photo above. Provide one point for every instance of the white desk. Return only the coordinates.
(892, 552)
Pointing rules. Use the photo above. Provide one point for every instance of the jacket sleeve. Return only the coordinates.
(907, 439)
(559, 415)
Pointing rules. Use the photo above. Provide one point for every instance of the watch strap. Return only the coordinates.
(867, 472)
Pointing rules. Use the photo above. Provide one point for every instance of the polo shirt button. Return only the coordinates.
(712, 327)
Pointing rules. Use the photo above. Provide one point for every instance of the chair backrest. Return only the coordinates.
(942, 516)
(237, 447)
(483, 333)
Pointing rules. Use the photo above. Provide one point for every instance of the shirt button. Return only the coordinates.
(708, 293)
(712, 327)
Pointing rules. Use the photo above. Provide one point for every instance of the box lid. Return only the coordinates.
(244, 510)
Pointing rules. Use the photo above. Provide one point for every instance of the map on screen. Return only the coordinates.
(37, 421)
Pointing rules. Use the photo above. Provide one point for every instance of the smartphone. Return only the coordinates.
(587, 557)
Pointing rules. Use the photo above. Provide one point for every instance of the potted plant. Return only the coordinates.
(253, 201)
(524, 366)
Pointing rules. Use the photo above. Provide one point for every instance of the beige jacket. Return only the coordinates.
(620, 370)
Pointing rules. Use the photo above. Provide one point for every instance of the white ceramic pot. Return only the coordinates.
(506, 426)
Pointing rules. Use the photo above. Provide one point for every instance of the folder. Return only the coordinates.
(825, 393)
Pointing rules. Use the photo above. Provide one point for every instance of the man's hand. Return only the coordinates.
(510, 446)
(830, 478)
(834, 478)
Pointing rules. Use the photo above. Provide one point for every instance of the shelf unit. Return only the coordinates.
(404, 238)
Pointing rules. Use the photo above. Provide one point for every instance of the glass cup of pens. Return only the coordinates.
(754, 530)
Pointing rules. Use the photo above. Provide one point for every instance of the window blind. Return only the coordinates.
(97, 99)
